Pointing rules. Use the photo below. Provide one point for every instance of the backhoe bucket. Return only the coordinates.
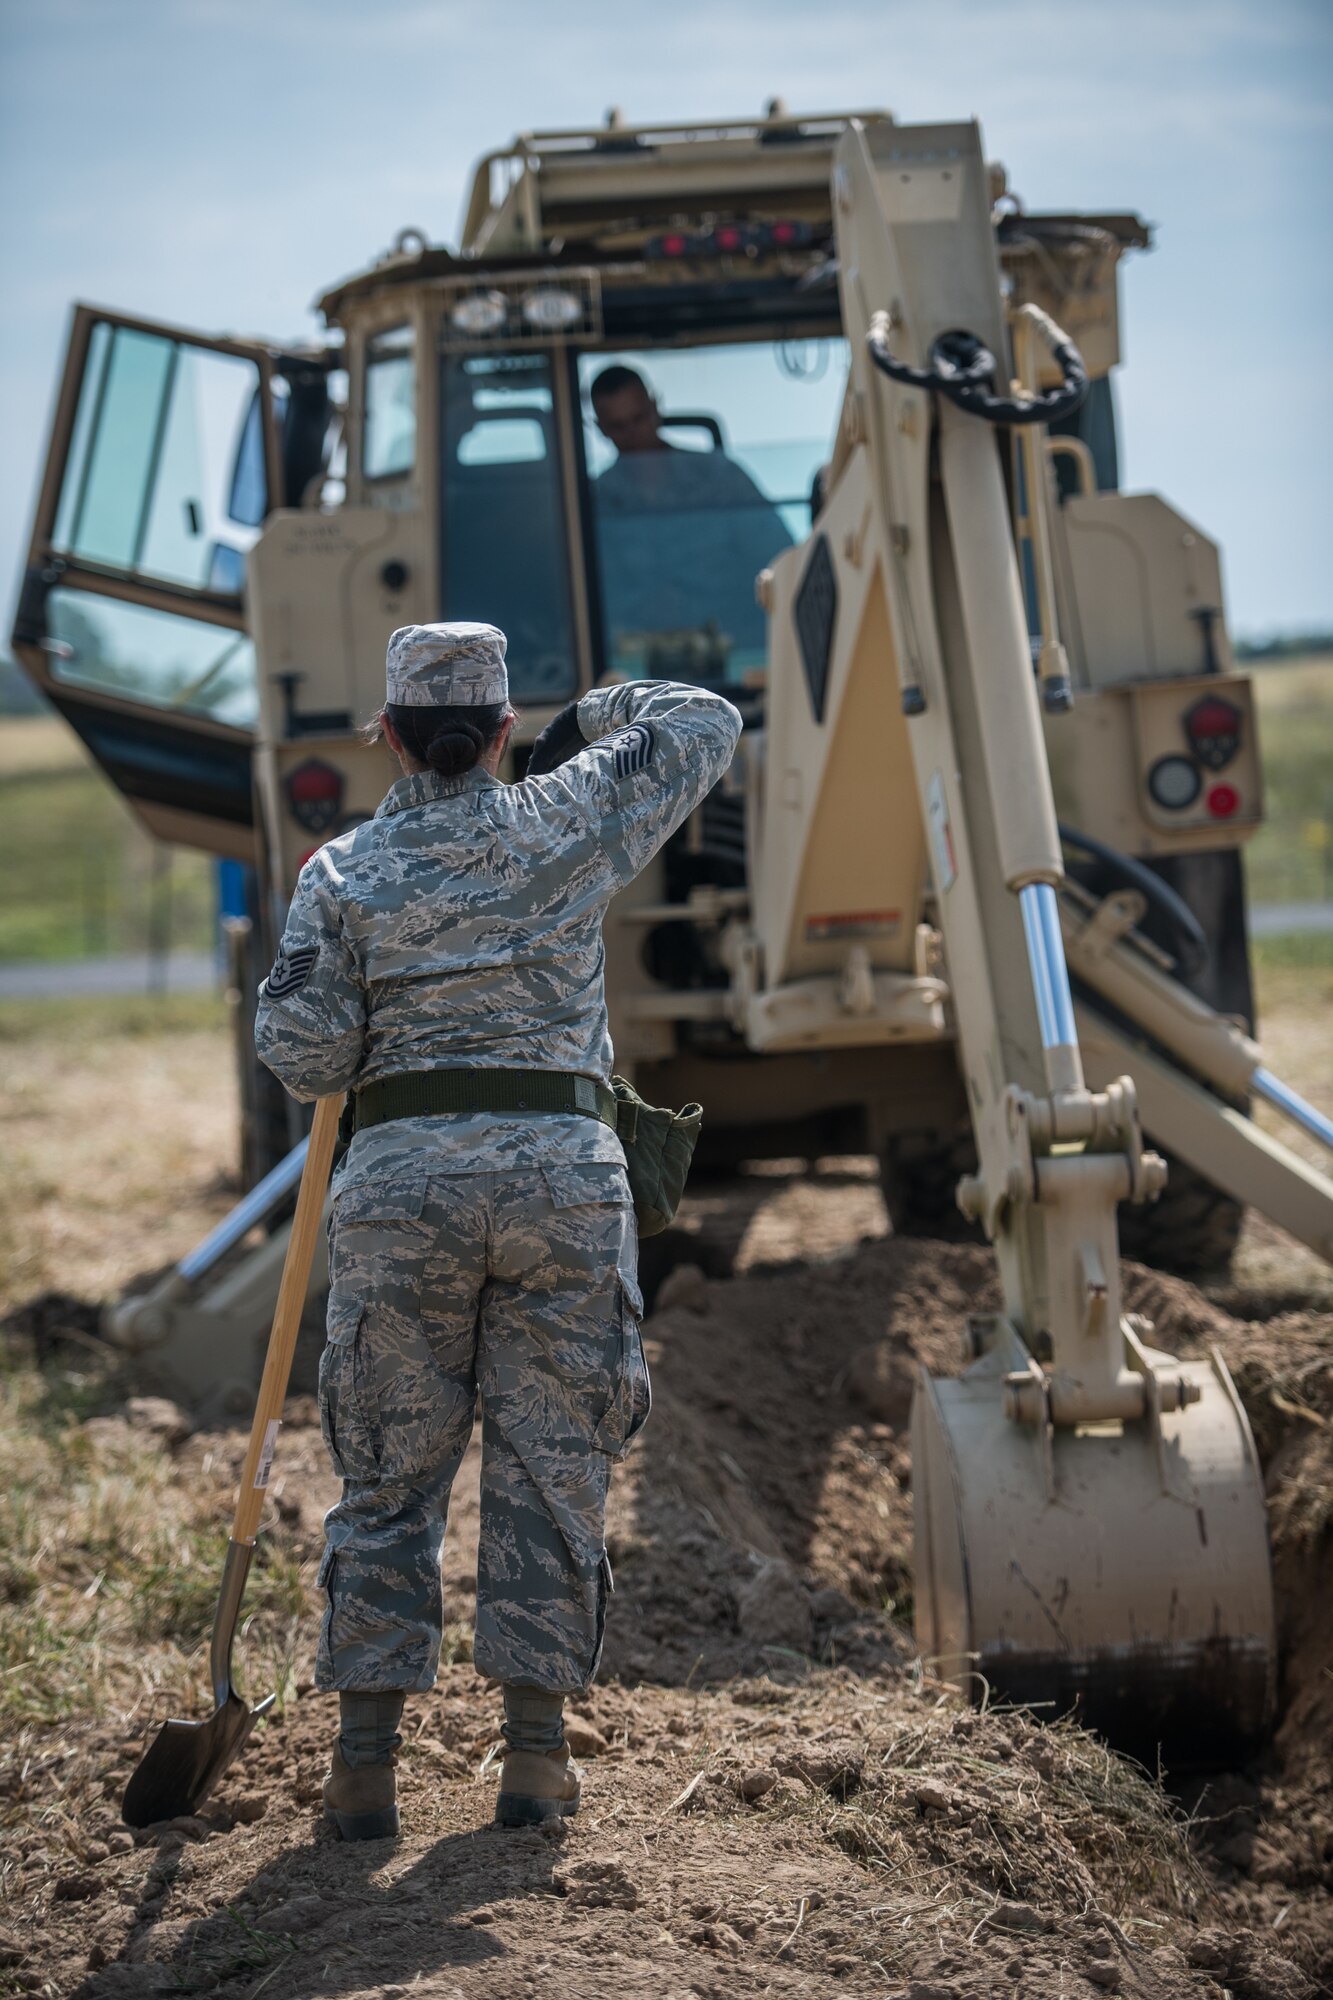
(1118, 1571)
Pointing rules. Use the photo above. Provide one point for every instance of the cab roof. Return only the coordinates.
(600, 196)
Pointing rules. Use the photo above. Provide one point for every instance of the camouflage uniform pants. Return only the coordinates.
(518, 1289)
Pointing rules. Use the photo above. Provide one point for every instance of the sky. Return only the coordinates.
(217, 163)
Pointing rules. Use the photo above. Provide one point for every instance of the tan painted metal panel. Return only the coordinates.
(1091, 1566)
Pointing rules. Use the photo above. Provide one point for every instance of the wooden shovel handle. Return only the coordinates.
(287, 1319)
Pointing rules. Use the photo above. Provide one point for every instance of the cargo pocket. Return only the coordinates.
(349, 1414)
(631, 1391)
(377, 1241)
(589, 1227)
(379, 1201)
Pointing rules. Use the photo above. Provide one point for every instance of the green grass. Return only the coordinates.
(1296, 951)
(81, 878)
(111, 1016)
(109, 1561)
(1290, 859)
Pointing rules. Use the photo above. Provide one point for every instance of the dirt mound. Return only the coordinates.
(815, 1448)
(779, 1440)
(776, 1800)
(839, 1836)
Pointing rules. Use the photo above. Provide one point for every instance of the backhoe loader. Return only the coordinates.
(812, 409)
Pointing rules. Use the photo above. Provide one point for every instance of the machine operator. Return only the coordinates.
(445, 960)
(682, 534)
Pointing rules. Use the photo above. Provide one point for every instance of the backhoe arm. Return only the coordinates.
(1068, 1424)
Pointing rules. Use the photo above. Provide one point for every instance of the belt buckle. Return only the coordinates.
(585, 1094)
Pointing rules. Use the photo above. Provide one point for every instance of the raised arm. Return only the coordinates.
(640, 757)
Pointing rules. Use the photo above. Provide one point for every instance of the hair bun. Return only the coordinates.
(447, 740)
(455, 748)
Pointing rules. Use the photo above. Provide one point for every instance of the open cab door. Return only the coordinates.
(168, 451)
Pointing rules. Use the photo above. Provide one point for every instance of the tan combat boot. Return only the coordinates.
(361, 1800)
(537, 1785)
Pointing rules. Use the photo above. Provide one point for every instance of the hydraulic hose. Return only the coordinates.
(1189, 939)
(963, 368)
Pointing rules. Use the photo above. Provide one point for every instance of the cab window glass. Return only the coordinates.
(702, 463)
(152, 656)
(505, 555)
(160, 430)
(247, 498)
(389, 440)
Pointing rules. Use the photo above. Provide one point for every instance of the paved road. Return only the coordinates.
(1279, 919)
(181, 972)
(196, 971)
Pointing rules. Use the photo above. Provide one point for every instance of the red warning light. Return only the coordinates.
(1222, 801)
(784, 232)
(728, 238)
(1213, 726)
(674, 246)
(314, 794)
(1212, 717)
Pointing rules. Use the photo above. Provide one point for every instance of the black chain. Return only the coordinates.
(964, 369)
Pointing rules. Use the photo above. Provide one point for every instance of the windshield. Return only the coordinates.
(702, 462)
(505, 555)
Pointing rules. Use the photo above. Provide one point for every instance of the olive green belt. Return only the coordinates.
(434, 1093)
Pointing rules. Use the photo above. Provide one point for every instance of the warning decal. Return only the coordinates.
(853, 924)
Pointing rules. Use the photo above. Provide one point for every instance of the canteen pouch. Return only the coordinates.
(659, 1146)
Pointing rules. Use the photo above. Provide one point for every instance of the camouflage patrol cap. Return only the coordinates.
(460, 665)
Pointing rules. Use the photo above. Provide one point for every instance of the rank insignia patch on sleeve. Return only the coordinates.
(633, 749)
(291, 969)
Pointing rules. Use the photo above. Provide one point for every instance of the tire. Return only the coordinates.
(1190, 1231)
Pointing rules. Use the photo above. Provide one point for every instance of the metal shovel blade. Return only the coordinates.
(185, 1760)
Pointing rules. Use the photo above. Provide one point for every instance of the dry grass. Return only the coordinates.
(972, 1823)
(111, 1560)
(39, 745)
(950, 1801)
(1289, 859)
(118, 1139)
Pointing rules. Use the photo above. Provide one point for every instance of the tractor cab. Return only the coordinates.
(597, 424)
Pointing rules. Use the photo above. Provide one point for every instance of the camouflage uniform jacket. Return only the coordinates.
(462, 927)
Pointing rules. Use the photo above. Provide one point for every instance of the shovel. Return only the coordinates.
(180, 1769)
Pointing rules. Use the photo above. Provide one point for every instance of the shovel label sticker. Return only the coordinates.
(853, 924)
(266, 1451)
